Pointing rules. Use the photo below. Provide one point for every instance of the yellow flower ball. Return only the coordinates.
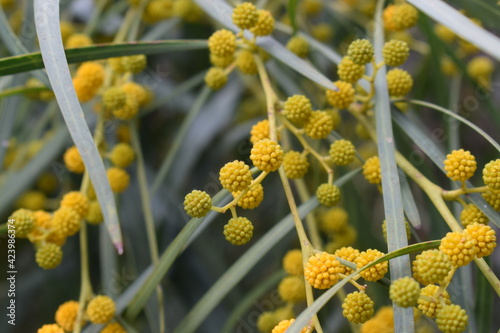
(118, 178)
(101, 309)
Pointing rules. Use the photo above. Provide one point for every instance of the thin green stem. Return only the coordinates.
(148, 216)
(309, 148)
(86, 291)
(235, 201)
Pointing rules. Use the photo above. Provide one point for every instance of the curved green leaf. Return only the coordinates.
(21, 90)
(221, 11)
(249, 300)
(49, 36)
(459, 118)
(311, 310)
(435, 153)
(168, 257)
(315, 44)
(32, 61)
(14, 45)
(461, 25)
(393, 202)
(240, 268)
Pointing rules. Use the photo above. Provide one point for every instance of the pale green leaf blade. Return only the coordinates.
(445, 14)
(49, 36)
(20, 181)
(459, 118)
(221, 12)
(14, 45)
(393, 203)
(435, 153)
(239, 269)
(311, 310)
(167, 259)
(314, 43)
(179, 138)
(32, 61)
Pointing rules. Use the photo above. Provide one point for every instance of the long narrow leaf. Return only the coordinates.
(54, 59)
(459, 118)
(239, 270)
(487, 10)
(311, 310)
(437, 157)
(393, 203)
(32, 61)
(244, 264)
(169, 159)
(435, 153)
(461, 25)
(249, 300)
(221, 12)
(292, 13)
(409, 204)
(315, 44)
(166, 260)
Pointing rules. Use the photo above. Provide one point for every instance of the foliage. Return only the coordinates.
(208, 166)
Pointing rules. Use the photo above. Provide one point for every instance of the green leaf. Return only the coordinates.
(240, 268)
(179, 138)
(461, 25)
(393, 202)
(485, 10)
(311, 310)
(484, 304)
(435, 153)
(166, 260)
(313, 42)
(14, 45)
(21, 90)
(179, 89)
(20, 181)
(32, 61)
(123, 300)
(49, 36)
(292, 13)
(249, 300)
(459, 118)
(409, 204)
(221, 12)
